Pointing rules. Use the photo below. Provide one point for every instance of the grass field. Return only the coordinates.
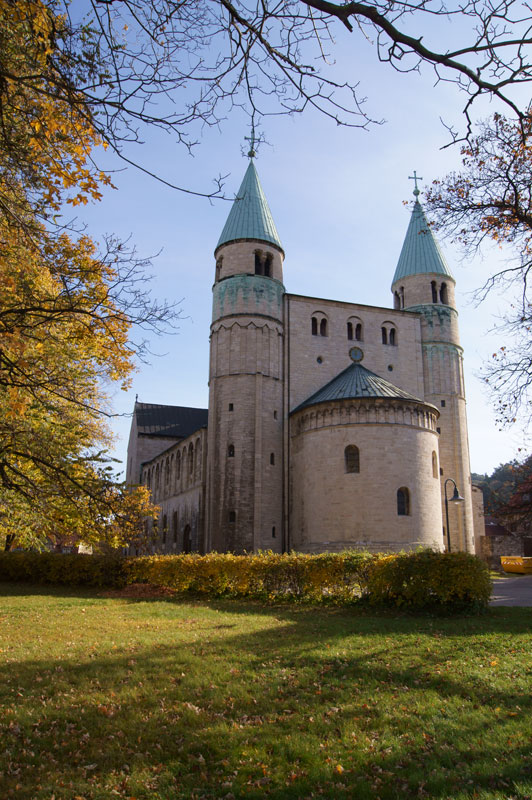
(114, 697)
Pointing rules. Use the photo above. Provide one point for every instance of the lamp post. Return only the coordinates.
(456, 498)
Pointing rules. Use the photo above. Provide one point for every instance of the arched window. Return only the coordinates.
(396, 301)
(268, 265)
(352, 458)
(350, 331)
(384, 334)
(219, 268)
(258, 263)
(178, 467)
(434, 291)
(314, 326)
(156, 487)
(444, 296)
(198, 459)
(231, 451)
(323, 327)
(358, 331)
(434, 464)
(403, 502)
(191, 459)
(402, 296)
(187, 539)
(391, 336)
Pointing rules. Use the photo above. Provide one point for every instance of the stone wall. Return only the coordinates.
(491, 548)
(332, 509)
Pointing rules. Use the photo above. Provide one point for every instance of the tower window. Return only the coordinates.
(231, 451)
(314, 326)
(352, 458)
(438, 430)
(444, 296)
(272, 458)
(219, 268)
(443, 403)
(434, 464)
(358, 331)
(403, 502)
(273, 532)
(434, 291)
(258, 263)
(396, 301)
(231, 406)
(275, 414)
(268, 265)
(232, 516)
(350, 331)
(323, 327)
(389, 334)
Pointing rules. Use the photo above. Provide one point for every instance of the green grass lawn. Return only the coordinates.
(111, 697)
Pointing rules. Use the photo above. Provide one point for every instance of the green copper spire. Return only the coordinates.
(420, 253)
(250, 216)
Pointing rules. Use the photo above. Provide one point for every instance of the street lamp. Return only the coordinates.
(456, 498)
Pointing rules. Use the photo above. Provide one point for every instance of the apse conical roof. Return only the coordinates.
(250, 216)
(421, 253)
(355, 382)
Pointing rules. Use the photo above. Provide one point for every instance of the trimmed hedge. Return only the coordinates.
(67, 569)
(426, 579)
(418, 580)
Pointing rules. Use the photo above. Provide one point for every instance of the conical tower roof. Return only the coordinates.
(250, 216)
(355, 382)
(421, 253)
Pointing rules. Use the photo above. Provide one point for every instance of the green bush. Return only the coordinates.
(62, 568)
(426, 579)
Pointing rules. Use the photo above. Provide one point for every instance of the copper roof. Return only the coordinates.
(355, 382)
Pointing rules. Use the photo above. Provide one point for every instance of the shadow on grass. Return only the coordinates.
(405, 706)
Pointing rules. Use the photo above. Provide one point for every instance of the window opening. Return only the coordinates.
(350, 331)
(314, 326)
(444, 297)
(352, 458)
(232, 516)
(384, 334)
(231, 406)
(358, 332)
(323, 327)
(231, 451)
(187, 539)
(392, 336)
(272, 458)
(403, 502)
(258, 263)
(434, 291)
(273, 532)
(434, 464)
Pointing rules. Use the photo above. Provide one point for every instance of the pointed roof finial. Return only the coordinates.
(252, 142)
(415, 178)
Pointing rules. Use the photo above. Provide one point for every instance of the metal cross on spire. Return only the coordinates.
(415, 178)
(252, 142)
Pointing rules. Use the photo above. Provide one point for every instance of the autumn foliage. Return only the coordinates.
(66, 306)
(419, 580)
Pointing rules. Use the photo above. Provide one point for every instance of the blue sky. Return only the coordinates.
(338, 199)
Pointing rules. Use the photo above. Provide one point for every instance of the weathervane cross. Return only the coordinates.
(415, 178)
(252, 141)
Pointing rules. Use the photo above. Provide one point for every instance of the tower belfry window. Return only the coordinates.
(444, 295)
(434, 291)
(323, 327)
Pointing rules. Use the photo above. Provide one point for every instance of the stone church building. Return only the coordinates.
(331, 425)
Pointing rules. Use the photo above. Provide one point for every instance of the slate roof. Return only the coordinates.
(250, 216)
(420, 253)
(169, 421)
(355, 382)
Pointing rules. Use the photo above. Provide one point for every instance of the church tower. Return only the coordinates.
(423, 283)
(245, 432)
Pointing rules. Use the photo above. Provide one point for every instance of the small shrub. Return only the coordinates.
(428, 579)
